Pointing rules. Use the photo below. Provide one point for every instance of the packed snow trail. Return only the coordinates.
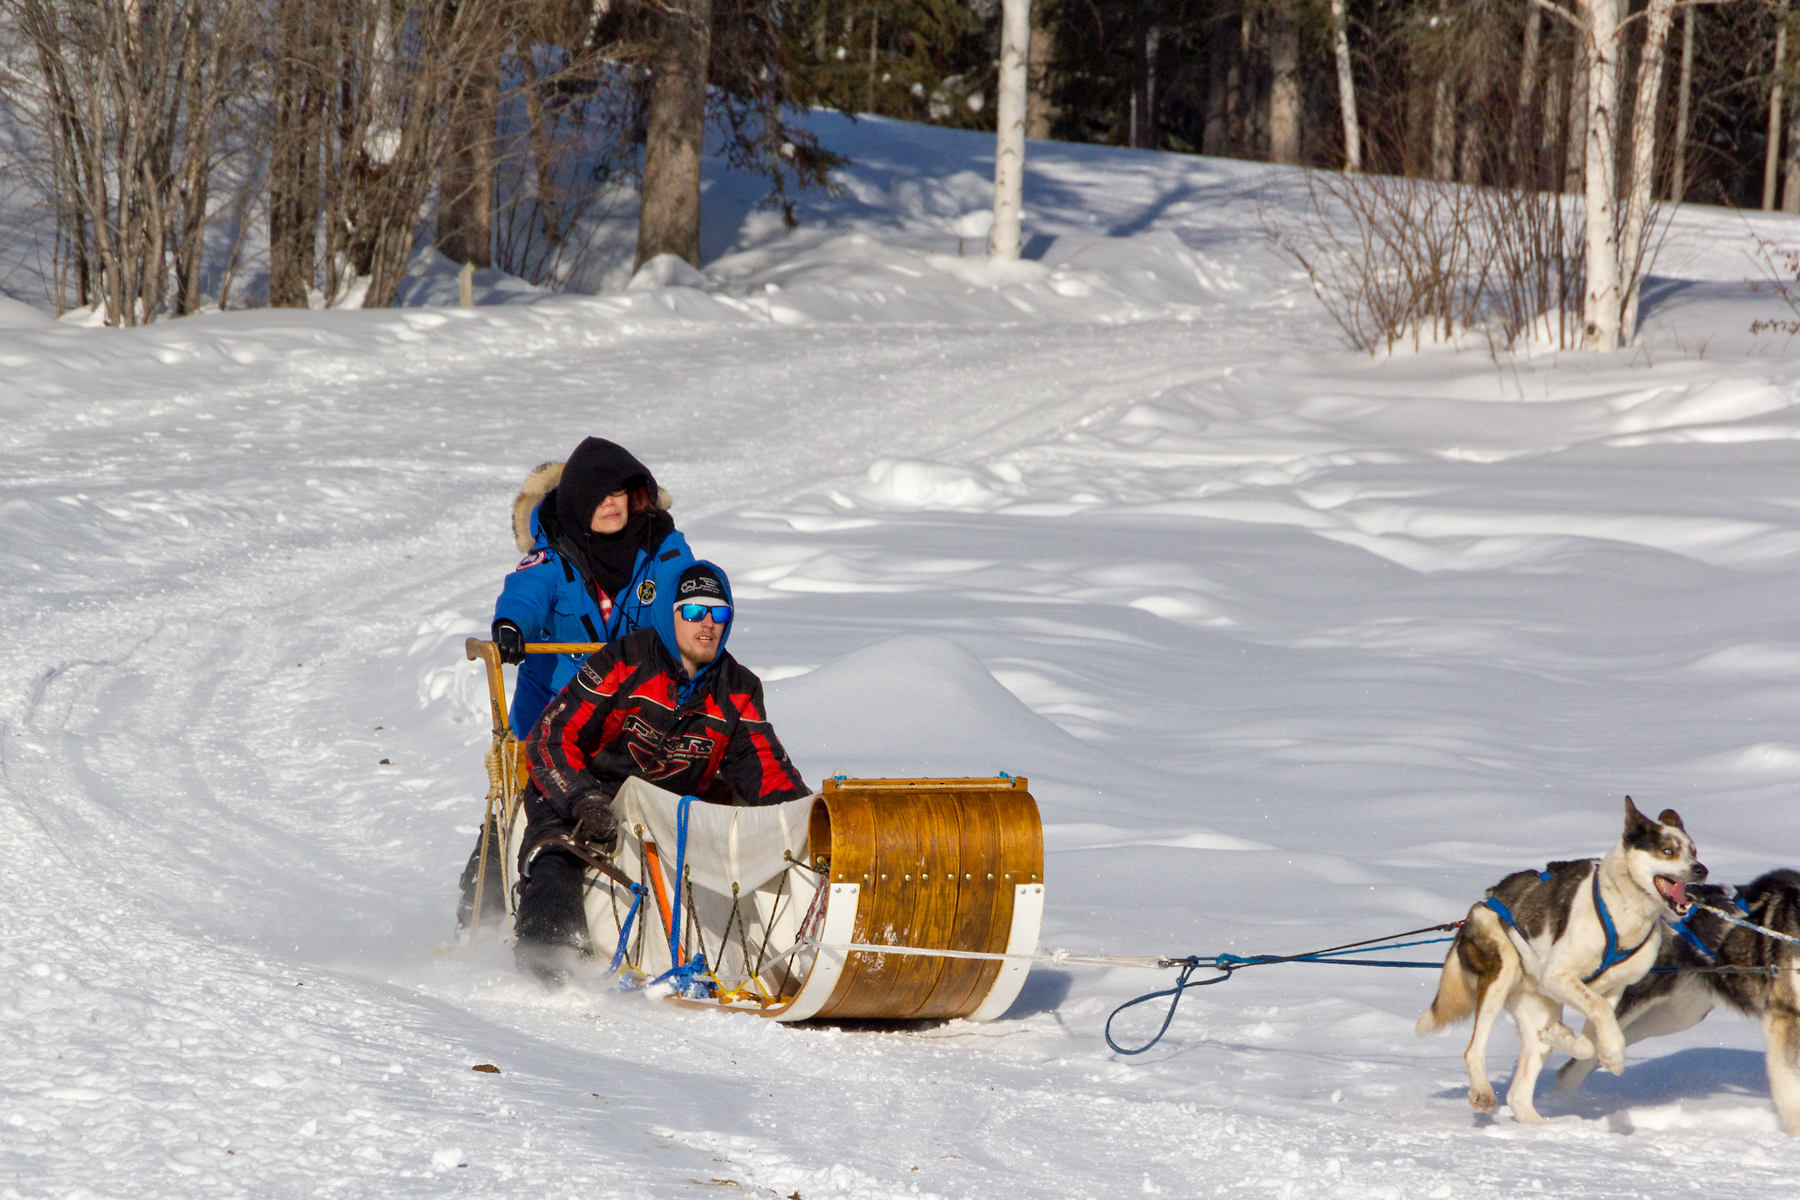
(1295, 647)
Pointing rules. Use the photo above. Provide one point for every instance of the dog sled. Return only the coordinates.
(900, 899)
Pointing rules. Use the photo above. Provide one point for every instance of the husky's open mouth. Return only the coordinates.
(1674, 894)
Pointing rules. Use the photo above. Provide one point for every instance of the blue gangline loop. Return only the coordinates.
(1227, 964)
(1182, 983)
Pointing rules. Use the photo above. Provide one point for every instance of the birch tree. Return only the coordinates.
(130, 102)
(1340, 34)
(1602, 309)
(1657, 18)
(1009, 132)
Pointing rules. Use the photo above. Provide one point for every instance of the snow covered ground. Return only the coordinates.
(1296, 648)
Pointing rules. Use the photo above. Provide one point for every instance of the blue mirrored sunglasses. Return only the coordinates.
(721, 613)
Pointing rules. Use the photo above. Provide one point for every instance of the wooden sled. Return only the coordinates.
(790, 904)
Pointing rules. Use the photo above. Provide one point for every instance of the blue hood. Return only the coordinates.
(662, 615)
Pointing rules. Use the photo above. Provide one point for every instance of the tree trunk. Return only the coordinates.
(874, 47)
(465, 221)
(1468, 162)
(675, 140)
(1601, 312)
(1548, 156)
(1221, 36)
(1340, 31)
(1443, 130)
(1039, 111)
(1009, 129)
(1575, 147)
(298, 103)
(1237, 106)
(1772, 153)
(1528, 78)
(1284, 84)
(1657, 19)
(1678, 180)
(1147, 127)
(1790, 187)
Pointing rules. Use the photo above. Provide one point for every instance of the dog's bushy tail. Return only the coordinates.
(1455, 999)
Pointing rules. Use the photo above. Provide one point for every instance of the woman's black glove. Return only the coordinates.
(510, 640)
(594, 820)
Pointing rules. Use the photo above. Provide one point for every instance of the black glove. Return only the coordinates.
(594, 821)
(511, 642)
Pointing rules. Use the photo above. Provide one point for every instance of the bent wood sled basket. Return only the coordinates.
(789, 904)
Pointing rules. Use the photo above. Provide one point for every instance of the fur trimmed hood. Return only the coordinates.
(542, 479)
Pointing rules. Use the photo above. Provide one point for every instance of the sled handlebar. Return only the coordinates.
(485, 652)
(479, 648)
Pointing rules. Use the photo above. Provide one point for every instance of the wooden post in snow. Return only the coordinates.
(1009, 131)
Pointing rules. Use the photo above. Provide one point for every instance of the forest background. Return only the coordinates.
(188, 155)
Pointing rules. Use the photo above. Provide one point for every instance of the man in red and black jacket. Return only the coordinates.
(666, 704)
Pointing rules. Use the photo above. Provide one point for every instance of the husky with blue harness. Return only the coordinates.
(1740, 948)
(1576, 933)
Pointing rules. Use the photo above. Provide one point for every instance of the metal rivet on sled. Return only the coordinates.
(906, 878)
(968, 877)
(990, 876)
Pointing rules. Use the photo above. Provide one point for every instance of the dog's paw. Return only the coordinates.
(1525, 1115)
(1482, 1099)
(1558, 1036)
(1613, 1060)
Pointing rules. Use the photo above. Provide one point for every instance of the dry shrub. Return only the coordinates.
(1395, 259)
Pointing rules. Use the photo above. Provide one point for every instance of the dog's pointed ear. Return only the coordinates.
(1671, 817)
(1634, 820)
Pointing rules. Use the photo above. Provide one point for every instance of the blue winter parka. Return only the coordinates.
(547, 599)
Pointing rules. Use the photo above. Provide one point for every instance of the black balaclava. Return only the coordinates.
(596, 470)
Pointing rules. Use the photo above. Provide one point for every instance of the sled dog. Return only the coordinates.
(1578, 933)
(1710, 962)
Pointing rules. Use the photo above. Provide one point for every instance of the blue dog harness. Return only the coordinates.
(1612, 956)
(1687, 934)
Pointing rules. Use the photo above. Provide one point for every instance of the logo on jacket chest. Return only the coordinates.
(660, 757)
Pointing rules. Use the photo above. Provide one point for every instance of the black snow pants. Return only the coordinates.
(551, 927)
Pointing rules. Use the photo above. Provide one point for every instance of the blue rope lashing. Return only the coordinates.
(686, 979)
(637, 900)
(681, 832)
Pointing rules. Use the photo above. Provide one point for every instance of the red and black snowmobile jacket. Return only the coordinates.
(623, 715)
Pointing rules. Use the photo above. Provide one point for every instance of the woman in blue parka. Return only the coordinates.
(599, 544)
(599, 547)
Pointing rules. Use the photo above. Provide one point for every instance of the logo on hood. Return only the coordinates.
(646, 592)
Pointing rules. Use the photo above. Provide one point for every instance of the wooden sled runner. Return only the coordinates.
(791, 907)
